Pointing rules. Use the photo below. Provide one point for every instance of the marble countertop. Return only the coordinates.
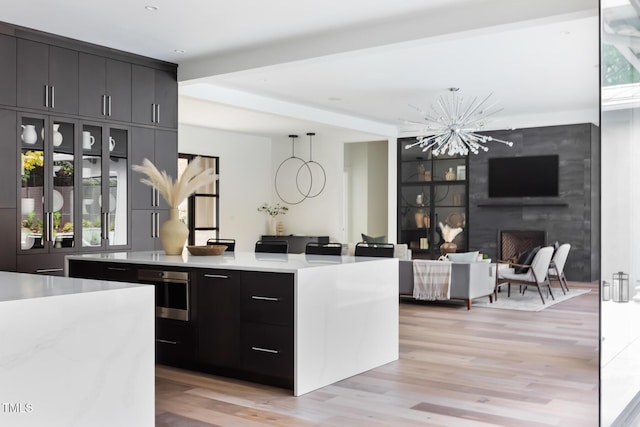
(21, 286)
(286, 263)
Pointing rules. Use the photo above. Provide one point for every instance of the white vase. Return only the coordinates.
(173, 234)
(57, 136)
(272, 226)
(29, 134)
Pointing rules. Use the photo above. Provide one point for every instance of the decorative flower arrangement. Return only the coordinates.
(174, 192)
(30, 161)
(273, 211)
(449, 233)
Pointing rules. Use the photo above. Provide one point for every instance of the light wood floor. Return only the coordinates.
(483, 367)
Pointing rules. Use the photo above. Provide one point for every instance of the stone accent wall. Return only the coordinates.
(572, 217)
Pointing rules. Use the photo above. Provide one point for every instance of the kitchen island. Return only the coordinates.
(294, 320)
(75, 352)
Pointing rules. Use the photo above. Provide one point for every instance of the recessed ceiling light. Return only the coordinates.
(179, 50)
(151, 8)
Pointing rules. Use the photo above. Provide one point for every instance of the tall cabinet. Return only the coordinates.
(149, 209)
(69, 139)
(432, 191)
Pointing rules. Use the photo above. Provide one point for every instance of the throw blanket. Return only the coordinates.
(431, 279)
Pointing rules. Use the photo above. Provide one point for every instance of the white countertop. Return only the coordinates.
(21, 286)
(285, 263)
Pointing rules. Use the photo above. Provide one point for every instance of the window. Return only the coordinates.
(201, 210)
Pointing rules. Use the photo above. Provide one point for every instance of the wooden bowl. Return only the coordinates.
(207, 250)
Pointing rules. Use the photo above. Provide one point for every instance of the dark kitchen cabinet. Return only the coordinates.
(10, 241)
(145, 229)
(219, 294)
(103, 271)
(46, 183)
(176, 343)
(154, 97)
(104, 88)
(8, 164)
(161, 148)
(47, 77)
(7, 70)
(51, 264)
(149, 209)
(267, 325)
(65, 127)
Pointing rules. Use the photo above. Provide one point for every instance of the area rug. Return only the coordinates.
(530, 301)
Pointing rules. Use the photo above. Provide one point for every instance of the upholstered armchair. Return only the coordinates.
(536, 274)
(556, 269)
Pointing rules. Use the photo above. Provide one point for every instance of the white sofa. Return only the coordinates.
(469, 280)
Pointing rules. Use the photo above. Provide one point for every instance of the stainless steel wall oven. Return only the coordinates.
(172, 292)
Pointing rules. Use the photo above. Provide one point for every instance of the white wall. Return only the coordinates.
(356, 163)
(320, 215)
(620, 195)
(248, 166)
(245, 164)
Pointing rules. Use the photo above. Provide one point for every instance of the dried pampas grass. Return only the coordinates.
(449, 233)
(174, 193)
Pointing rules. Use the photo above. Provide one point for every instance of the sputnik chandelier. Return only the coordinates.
(451, 126)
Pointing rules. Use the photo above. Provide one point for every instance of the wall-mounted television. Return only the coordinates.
(529, 176)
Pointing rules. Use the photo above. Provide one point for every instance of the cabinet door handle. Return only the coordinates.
(258, 297)
(46, 95)
(153, 225)
(153, 113)
(109, 106)
(104, 105)
(265, 350)
(48, 226)
(216, 276)
(158, 113)
(157, 224)
(49, 270)
(53, 97)
(105, 225)
(166, 341)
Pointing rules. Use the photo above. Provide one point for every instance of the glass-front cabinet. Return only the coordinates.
(47, 183)
(432, 201)
(104, 196)
(73, 187)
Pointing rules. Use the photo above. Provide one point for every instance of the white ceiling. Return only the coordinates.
(347, 67)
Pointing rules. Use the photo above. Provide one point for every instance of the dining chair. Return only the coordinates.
(556, 269)
(272, 246)
(229, 243)
(317, 248)
(536, 274)
(383, 250)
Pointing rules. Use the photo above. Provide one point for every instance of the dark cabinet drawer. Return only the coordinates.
(102, 271)
(86, 269)
(175, 343)
(268, 350)
(219, 318)
(48, 264)
(267, 298)
(120, 272)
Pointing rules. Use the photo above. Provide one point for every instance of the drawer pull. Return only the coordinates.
(216, 276)
(166, 341)
(49, 270)
(264, 298)
(117, 269)
(265, 350)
